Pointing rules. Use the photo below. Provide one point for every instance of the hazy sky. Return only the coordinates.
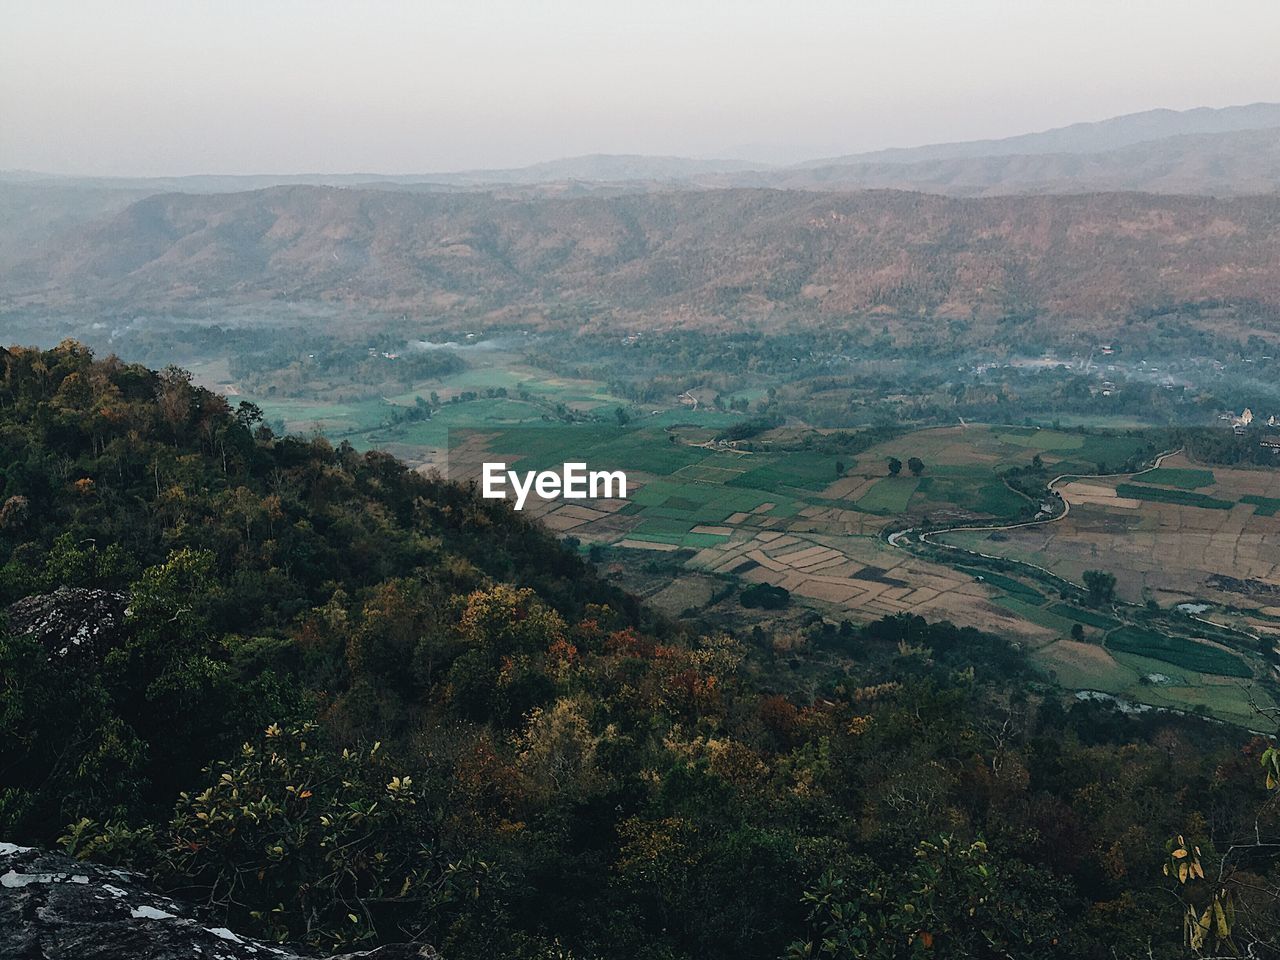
(276, 86)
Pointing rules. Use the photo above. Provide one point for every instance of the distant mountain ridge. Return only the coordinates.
(1239, 163)
(1089, 137)
(604, 167)
(706, 240)
(700, 258)
(42, 213)
(1079, 138)
(598, 167)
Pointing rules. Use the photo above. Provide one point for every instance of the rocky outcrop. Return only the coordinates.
(72, 623)
(55, 908)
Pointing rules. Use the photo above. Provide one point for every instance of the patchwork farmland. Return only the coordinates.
(1168, 535)
(785, 517)
(784, 511)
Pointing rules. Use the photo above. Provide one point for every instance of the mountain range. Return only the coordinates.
(711, 258)
(1087, 221)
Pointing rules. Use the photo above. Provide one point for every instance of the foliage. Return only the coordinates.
(765, 596)
(351, 705)
(954, 901)
(1100, 587)
(333, 847)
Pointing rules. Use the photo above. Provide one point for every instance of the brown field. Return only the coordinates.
(682, 594)
(863, 578)
(648, 545)
(1080, 492)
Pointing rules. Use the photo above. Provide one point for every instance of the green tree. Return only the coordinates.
(1100, 587)
(338, 846)
(957, 901)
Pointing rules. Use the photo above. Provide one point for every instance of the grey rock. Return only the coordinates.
(55, 908)
(76, 624)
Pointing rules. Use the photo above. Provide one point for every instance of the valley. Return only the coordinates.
(815, 514)
(667, 481)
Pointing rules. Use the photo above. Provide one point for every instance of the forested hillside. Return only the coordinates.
(342, 703)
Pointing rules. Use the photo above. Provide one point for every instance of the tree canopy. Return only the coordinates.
(345, 704)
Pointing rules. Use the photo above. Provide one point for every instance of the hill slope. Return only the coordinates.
(347, 705)
(705, 258)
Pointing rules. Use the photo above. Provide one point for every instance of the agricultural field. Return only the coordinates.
(1218, 542)
(787, 518)
(776, 511)
(784, 518)
(494, 390)
(1179, 534)
(1155, 683)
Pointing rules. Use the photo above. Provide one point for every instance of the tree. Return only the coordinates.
(175, 395)
(895, 466)
(342, 842)
(557, 752)
(248, 414)
(955, 901)
(916, 466)
(622, 416)
(1233, 910)
(1077, 632)
(765, 596)
(1100, 587)
(839, 468)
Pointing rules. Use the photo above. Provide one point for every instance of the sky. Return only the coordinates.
(150, 88)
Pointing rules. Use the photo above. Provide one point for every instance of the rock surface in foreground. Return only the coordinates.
(71, 623)
(55, 908)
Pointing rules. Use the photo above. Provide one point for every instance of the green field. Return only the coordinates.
(690, 540)
(1036, 614)
(1090, 618)
(1101, 453)
(1183, 498)
(332, 419)
(1265, 506)
(1180, 651)
(890, 495)
(984, 495)
(1005, 583)
(1182, 477)
(1037, 439)
(801, 469)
